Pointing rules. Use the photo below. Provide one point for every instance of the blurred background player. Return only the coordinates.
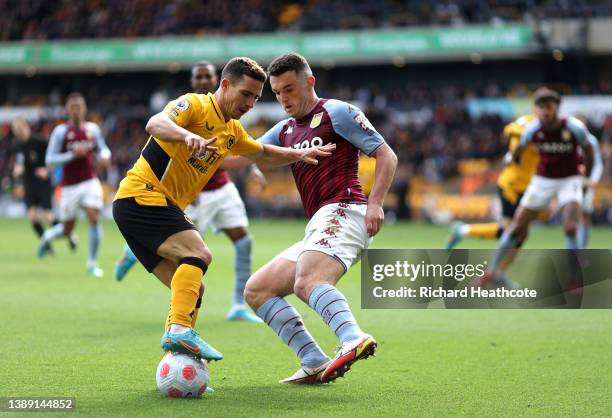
(557, 139)
(511, 185)
(342, 222)
(590, 182)
(219, 206)
(76, 145)
(31, 150)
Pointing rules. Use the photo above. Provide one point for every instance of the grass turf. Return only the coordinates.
(65, 334)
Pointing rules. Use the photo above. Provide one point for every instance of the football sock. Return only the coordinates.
(95, 235)
(335, 311)
(185, 287)
(287, 323)
(489, 231)
(194, 313)
(53, 232)
(583, 233)
(38, 228)
(506, 243)
(242, 267)
(178, 329)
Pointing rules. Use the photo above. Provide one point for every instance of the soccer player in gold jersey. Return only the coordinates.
(189, 140)
(511, 184)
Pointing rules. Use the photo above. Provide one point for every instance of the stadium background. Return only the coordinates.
(438, 79)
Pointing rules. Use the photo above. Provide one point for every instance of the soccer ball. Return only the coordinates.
(182, 376)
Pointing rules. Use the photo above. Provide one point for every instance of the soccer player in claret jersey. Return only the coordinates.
(557, 140)
(218, 205)
(189, 140)
(76, 145)
(342, 222)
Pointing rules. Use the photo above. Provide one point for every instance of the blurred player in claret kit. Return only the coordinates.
(31, 150)
(558, 140)
(76, 145)
(588, 192)
(189, 140)
(342, 222)
(219, 206)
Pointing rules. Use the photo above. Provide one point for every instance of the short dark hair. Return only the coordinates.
(291, 61)
(238, 67)
(75, 95)
(203, 64)
(545, 95)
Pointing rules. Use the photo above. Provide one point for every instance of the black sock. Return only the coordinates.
(38, 228)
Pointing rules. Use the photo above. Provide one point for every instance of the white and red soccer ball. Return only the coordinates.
(182, 376)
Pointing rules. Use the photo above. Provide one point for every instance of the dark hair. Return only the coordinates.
(544, 95)
(291, 61)
(238, 67)
(203, 64)
(75, 95)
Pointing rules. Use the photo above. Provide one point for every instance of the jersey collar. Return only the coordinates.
(216, 107)
(309, 114)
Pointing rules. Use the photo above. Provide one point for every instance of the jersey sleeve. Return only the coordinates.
(597, 171)
(54, 155)
(102, 149)
(579, 130)
(184, 109)
(245, 145)
(272, 136)
(529, 131)
(350, 123)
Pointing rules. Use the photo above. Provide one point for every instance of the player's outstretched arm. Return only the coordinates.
(162, 127)
(386, 163)
(271, 155)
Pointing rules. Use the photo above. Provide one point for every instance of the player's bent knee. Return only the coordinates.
(302, 287)
(570, 229)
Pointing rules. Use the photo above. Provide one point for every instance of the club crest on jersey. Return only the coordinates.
(566, 135)
(316, 120)
(231, 141)
(183, 105)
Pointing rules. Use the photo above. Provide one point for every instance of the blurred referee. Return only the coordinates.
(30, 162)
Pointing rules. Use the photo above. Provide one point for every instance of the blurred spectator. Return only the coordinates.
(64, 19)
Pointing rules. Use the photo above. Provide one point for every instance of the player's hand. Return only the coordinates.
(79, 152)
(198, 144)
(104, 163)
(309, 155)
(257, 176)
(42, 173)
(375, 215)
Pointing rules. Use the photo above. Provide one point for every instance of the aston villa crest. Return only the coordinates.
(316, 120)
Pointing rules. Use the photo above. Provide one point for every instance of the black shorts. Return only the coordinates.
(145, 228)
(508, 208)
(37, 194)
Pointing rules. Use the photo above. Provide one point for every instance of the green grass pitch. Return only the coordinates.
(65, 334)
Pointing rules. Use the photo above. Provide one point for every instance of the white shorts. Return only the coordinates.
(337, 229)
(220, 209)
(541, 191)
(86, 194)
(587, 200)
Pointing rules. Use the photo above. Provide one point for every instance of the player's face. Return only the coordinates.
(240, 96)
(292, 92)
(21, 129)
(547, 112)
(203, 79)
(76, 109)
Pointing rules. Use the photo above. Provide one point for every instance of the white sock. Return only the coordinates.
(464, 229)
(178, 329)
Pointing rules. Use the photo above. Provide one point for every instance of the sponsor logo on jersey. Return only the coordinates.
(316, 120)
(364, 123)
(231, 141)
